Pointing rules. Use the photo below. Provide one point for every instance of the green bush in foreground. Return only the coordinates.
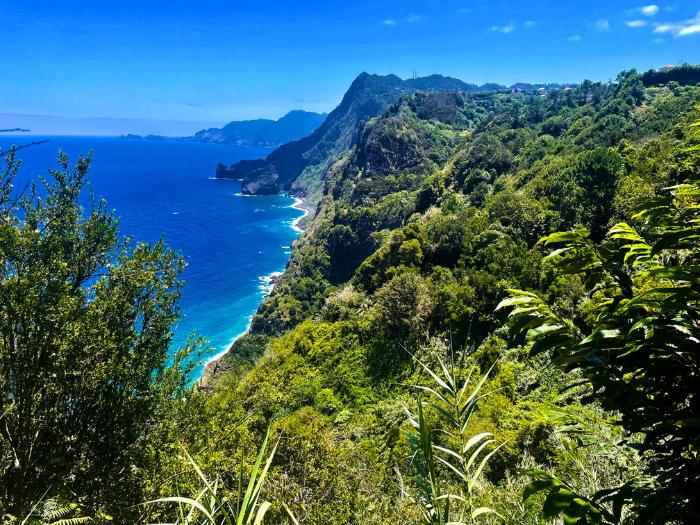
(85, 328)
(449, 457)
(211, 507)
(639, 351)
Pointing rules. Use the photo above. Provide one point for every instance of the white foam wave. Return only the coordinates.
(297, 205)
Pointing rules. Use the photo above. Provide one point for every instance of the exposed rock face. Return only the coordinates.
(222, 171)
(383, 148)
(261, 181)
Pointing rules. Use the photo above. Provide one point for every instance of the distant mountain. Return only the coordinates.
(524, 86)
(301, 165)
(264, 132)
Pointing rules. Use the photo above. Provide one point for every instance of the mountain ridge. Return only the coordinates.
(302, 164)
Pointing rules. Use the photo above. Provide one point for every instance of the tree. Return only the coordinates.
(85, 329)
(640, 349)
(402, 305)
(584, 192)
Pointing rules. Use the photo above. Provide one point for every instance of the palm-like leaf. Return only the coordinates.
(209, 507)
(641, 352)
(436, 464)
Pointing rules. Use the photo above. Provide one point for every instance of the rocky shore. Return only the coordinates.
(217, 364)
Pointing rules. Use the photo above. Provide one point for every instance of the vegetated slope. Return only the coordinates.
(425, 222)
(264, 132)
(302, 164)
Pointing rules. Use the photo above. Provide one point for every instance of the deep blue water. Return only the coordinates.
(164, 188)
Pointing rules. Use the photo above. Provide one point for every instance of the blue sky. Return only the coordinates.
(208, 62)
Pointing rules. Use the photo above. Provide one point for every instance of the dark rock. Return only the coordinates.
(240, 170)
(262, 181)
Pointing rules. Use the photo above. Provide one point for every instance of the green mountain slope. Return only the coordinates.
(425, 221)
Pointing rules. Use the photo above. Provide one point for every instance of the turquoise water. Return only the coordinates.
(164, 188)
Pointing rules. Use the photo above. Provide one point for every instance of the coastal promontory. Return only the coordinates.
(261, 181)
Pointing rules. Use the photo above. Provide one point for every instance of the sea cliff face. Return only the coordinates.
(240, 170)
(261, 181)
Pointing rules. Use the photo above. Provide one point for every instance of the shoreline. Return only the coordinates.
(222, 353)
(299, 204)
(210, 363)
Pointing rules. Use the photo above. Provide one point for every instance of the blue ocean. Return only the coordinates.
(232, 243)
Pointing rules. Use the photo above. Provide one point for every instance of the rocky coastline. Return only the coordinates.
(216, 364)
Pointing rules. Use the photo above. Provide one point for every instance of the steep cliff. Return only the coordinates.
(302, 164)
(261, 181)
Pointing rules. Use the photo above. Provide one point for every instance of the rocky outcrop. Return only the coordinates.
(240, 170)
(262, 181)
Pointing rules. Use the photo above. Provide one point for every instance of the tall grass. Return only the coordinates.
(211, 507)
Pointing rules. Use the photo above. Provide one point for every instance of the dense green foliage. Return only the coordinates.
(85, 325)
(424, 226)
(639, 342)
(211, 507)
(362, 361)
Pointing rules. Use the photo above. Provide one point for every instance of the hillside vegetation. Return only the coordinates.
(424, 226)
(302, 165)
(493, 316)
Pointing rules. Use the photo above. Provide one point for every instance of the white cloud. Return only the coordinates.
(411, 18)
(464, 10)
(635, 23)
(659, 40)
(503, 29)
(528, 24)
(690, 30)
(603, 24)
(679, 29)
(574, 38)
(649, 10)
